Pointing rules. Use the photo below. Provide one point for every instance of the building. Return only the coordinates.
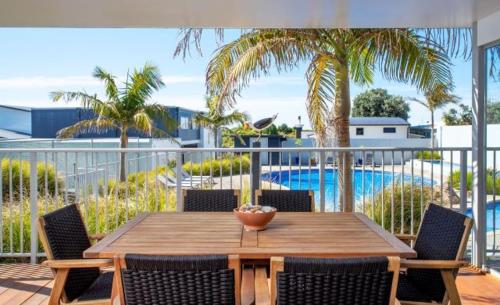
(44, 123)
(378, 128)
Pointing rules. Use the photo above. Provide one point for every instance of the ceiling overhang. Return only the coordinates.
(244, 13)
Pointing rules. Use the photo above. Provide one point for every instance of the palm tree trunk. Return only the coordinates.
(432, 129)
(339, 120)
(123, 156)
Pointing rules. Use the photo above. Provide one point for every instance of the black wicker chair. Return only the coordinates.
(211, 200)
(180, 280)
(287, 200)
(64, 238)
(363, 281)
(440, 245)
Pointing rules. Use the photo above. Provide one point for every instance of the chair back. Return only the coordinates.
(64, 236)
(367, 281)
(180, 279)
(287, 200)
(211, 200)
(443, 235)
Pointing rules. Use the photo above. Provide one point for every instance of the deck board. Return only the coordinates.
(30, 285)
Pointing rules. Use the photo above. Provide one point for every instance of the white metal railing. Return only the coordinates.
(390, 185)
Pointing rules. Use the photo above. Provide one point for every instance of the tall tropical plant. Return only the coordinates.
(336, 57)
(215, 120)
(437, 98)
(123, 109)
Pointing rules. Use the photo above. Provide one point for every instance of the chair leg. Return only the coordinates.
(451, 287)
(57, 289)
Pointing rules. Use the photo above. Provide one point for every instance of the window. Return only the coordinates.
(186, 123)
(360, 131)
(389, 129)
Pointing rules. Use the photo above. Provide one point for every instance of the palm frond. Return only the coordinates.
(109, 82)
(190, 36)
(86, 100)
(400, 55)
(141, 84)
(161, 113)
(97, 125)
(253, 54)
(321, 87)
(456, 42)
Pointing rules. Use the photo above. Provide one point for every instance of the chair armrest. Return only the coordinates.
(78, 263)
(432, 264)
(406, 237)
(97, 237)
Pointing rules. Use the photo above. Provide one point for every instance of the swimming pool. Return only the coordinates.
(492, 216)
(305, 179)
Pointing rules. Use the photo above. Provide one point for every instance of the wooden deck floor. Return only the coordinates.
(31, 284)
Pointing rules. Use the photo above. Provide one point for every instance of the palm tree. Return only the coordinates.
(435, 99)
(336, 57)
(124, 109)
(215, 120)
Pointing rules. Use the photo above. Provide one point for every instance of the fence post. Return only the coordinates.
(178, 176)
(255, 172)
(322, 180)
(33, 207)
(463, 181)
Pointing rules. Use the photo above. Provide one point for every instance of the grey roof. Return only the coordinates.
(377, 121)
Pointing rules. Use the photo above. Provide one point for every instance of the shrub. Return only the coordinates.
(223, 163)
(23, 168)
(428, 155)
(491, 182)
(384, 217)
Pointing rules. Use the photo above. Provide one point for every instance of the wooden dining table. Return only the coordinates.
(288, 234)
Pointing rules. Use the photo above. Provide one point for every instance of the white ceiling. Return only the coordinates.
(244, 13)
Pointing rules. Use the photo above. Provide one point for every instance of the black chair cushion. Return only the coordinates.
(67, 238)
(439, 238)
(210, 201)
(178, 280)
(334, 281)
(100, 289)
(287, 201)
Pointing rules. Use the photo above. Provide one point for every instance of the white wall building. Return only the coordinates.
(378, 128)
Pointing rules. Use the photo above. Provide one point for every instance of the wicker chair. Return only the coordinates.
(287, 201)
(211, 200)
(179, 279)
(366, 281)
(440, 245)
(77, 280)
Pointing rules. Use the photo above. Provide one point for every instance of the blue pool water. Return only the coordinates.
(305, 180)
(492, 216)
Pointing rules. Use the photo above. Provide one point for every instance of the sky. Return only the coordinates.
(35, 62)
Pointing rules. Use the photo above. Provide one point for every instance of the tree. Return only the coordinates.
(336, 57)
(123, 109)
(437, 98)
(215, 120)
(379, 103)
(462, 116)
(493, 112)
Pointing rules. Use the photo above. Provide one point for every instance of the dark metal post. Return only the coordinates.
(254, 172)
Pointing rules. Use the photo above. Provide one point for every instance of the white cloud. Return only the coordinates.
(37, 82)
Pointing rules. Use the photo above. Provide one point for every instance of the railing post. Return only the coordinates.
(255, 172)
(178, 188)
(322, 180)
(33, 207)
(463, 181)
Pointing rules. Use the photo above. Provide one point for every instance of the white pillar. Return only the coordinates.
(478, 152)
